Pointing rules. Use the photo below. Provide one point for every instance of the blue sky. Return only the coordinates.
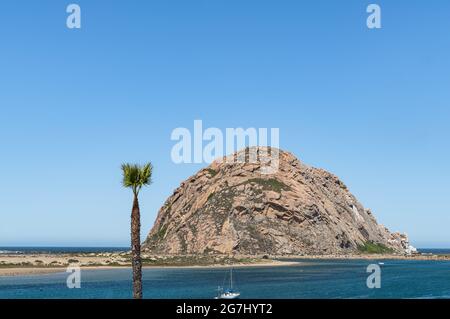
(371, 106)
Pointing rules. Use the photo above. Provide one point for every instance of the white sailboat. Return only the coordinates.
(229, 293)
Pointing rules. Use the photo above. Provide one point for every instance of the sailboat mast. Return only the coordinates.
(231, 279)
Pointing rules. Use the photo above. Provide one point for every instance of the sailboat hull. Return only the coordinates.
(229, 296)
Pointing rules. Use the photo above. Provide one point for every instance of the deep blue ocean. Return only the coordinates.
(310, 279)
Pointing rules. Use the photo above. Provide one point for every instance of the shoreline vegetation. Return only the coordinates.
(30, 264)
(27, 264)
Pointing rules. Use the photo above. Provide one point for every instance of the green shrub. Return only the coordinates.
(374, 248)
(212, 172)
(270, 184)
(162, 231)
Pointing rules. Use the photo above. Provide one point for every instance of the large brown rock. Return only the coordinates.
(233, 208)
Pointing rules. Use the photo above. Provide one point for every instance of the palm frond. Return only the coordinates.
(135, 176)
(145, 177)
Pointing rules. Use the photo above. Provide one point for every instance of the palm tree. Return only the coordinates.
(134, 177)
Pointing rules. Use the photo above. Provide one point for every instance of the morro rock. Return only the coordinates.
(234, 209)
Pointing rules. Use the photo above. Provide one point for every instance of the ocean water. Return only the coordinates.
(435, 251)
(310, 279)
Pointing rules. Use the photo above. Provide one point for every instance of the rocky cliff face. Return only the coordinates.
(233, 208)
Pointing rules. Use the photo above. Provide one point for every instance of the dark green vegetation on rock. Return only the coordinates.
(374, 248)
(270, 184)
(212, 172)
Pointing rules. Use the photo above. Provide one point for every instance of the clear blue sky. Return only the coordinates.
(371, 106)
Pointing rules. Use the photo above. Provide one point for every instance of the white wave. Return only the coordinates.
(5, 252)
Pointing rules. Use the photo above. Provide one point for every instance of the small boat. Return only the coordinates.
(229, 293)
(381, 263)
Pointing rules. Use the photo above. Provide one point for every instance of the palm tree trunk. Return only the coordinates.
(136, 249)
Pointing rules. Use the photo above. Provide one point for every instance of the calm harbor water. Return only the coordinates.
(311, 279)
